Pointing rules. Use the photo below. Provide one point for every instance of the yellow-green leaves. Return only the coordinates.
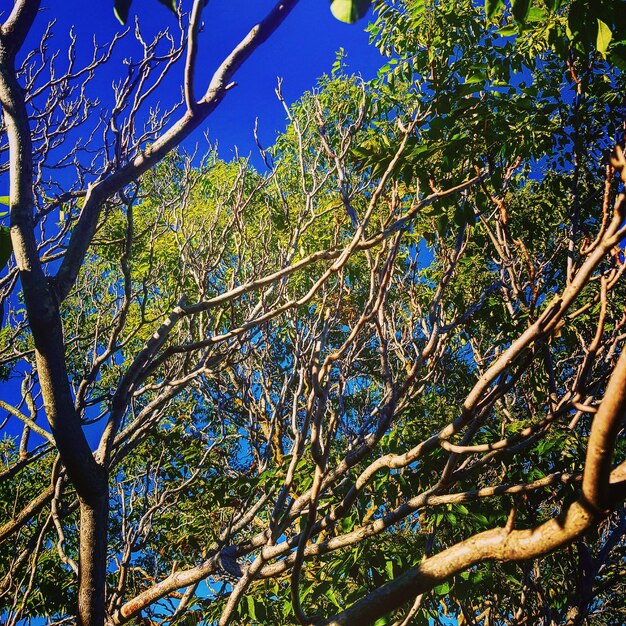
(349, 11)
(604, 37)
(598, 25)
(493, 8)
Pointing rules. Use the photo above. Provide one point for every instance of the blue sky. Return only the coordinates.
(301, 51)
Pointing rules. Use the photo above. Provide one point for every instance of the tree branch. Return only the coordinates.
(99, 192)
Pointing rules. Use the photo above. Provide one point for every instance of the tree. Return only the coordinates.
(318, 394)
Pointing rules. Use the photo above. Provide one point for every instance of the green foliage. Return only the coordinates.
(121, 8)
(588, 25)
(520, 10)
(349, 11)
(6, 248)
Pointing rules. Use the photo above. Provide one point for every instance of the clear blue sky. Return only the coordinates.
(301, 51)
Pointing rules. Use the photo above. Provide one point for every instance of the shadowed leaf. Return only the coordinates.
(121, 8)
(5, 246)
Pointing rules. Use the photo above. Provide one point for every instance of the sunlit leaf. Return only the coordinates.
(508, 31)
(604, 37)
(443, 589)
(349, 11)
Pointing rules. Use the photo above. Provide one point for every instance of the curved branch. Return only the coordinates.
(192, 53)
(606, 424)
(502, 544)
(16, 27)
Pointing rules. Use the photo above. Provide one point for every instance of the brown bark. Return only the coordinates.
(93, 559)
(601, 491)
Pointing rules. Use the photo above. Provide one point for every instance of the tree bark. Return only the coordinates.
(93, 560)
(42, 309)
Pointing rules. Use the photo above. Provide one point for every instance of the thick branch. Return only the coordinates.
(501, 544)
(41, 302)
(18, 24)
(606, 424)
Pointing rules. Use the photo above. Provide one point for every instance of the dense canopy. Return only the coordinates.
(378, 380)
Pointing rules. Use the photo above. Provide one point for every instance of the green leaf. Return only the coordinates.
(508, 31)
(5, 200)
(442, 589)
(604, 37)
(121, 8)
(536, 14)
(473, 79)
(553, 5)
(493, 8)
(520, 10)
(618, 58)
(6, 247)
(170, 4)
(330, 594)
(347, 523)
(349, 11)
(251, 607)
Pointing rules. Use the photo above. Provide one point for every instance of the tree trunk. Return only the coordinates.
(93, 560)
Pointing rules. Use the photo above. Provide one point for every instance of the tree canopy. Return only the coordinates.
(379, 380)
